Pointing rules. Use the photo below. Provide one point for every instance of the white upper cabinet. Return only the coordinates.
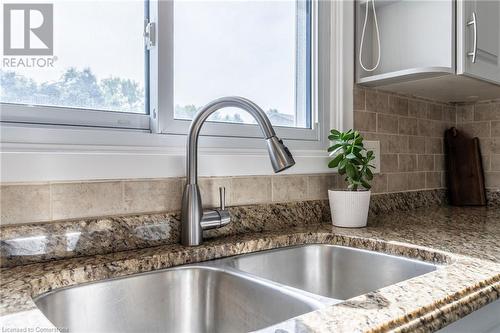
(434, 49)
(480, 37)
(416, 39)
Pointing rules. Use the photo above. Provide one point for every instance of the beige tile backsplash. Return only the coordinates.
(152, 195)
(482, 119)
(210, 194)
(410, 131)
(290, 188)
(251, 190)
(90, 198)
(25, 203)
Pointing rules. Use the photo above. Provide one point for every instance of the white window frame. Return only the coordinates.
(66, 116)
(49, 152)
(162, 98)
(71, 116)
(168, 124)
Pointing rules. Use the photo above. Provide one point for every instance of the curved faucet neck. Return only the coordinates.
(201, 117)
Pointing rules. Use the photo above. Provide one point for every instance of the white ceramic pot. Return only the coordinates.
(349, 208)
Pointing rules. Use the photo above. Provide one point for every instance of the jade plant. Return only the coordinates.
(351, 158)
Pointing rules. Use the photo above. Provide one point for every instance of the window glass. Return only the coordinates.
(98, 57)
(254, 49)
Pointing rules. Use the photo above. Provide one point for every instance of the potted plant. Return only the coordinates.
(349, 207)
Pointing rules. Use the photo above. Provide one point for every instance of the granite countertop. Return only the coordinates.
(463, 240)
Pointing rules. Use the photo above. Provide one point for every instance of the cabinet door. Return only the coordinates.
(482, 38)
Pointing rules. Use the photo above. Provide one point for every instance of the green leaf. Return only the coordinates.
(335, 162)
(333, 153)
(335, 146)
(344, 162)
(358, 154)
(351, 156)
(335, 132)
(349, 136)
(365, 184)
(356, 161)
(351, 170)
(369, 174)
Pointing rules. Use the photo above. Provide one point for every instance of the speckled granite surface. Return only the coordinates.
(29, 243)
(464, 240)
(493, 197)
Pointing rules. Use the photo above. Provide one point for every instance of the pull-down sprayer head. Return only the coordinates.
(280, 156)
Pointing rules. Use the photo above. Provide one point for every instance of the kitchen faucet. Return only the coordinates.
(193, 219)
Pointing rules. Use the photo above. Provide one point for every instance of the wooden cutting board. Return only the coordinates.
(464, 168)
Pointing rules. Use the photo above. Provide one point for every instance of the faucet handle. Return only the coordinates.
(222, 195)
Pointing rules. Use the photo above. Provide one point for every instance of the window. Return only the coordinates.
(104, 76)
(256, 49)
(98, 61)
(59, 141)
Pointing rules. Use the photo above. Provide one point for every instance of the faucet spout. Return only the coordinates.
(193, 219)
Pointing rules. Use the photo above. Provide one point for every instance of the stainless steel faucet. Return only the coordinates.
(193, 219)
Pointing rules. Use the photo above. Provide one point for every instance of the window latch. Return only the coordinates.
(149, 34)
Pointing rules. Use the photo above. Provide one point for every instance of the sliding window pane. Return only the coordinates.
(97, 62)
(255, 49)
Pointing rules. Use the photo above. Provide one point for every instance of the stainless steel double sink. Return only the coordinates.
(235, 294)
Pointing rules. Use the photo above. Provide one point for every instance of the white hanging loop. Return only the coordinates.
(363, 37)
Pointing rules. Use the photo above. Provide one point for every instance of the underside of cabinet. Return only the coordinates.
(446, 88)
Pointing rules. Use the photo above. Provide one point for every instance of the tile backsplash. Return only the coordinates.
(482, 120)
(25, 203)
(410, 131)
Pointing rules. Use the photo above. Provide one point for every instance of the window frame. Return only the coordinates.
(33, 153)
(164, 121)
(331, 102)
(159, 99)
(65, 116)
(13, 113)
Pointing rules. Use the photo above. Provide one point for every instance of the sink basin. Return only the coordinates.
(236, 294)
(186, 299)
(331, 271)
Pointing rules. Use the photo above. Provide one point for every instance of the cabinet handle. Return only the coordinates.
(474, 51)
